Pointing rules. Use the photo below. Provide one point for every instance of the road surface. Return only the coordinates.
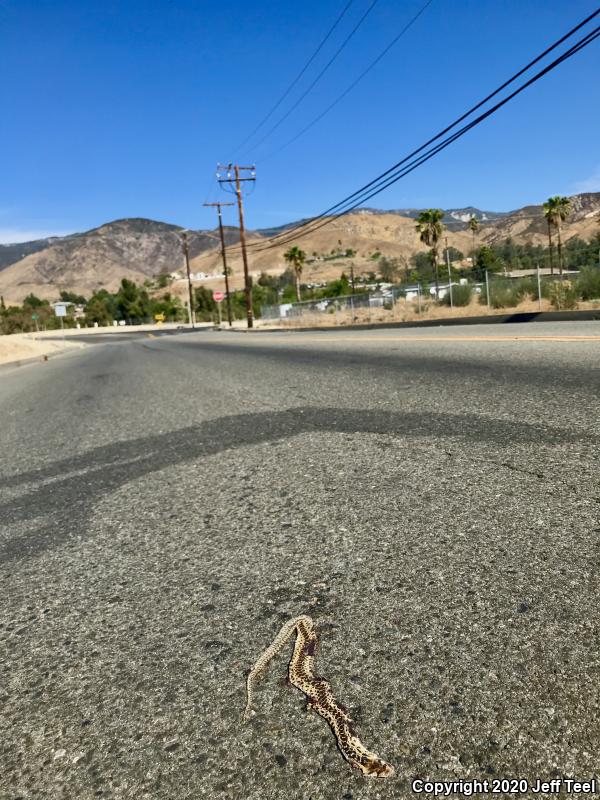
(429, 497)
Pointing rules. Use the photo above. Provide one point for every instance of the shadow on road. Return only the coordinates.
(68, 501)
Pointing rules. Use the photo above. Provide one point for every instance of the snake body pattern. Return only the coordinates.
(320, 696)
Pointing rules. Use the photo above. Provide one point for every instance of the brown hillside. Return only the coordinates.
(132, 248)
(138, 249)
(389, 234)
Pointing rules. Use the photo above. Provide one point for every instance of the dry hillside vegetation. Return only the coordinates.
(139, 249)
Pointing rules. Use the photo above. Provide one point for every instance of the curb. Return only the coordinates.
(21, 362)
(42, 359)
(494, 319)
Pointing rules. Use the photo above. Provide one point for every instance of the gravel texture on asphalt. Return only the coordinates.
(167, 504)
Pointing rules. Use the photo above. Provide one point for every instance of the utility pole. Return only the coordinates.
(237, 180)
(219, 206)
(449, 276)
(352, 276)
(186, 253)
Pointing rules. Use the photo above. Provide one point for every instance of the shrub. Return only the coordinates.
(563, 295)
(503, 294)
(527, 287)
(588, 283)
(461, 295)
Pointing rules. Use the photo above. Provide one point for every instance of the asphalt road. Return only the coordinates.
(429, 497)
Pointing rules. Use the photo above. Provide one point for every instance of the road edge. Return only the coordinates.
(493, 319)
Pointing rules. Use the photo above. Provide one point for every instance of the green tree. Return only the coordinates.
(168, 305)
(97, 311)
(389, 269)
(204, 304)
(72, 297)
(296, 257)
(486, 260)
(556, 210)
(270, 286)
(133, 303)
(455, 254)
(423, 265)
(430, 228)
(163, 279)
(33, 301)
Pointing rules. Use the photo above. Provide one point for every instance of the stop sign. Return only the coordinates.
(218, 296)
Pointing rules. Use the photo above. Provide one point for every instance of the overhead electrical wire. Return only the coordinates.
(438, 148)
(392, 174)
(434, 151)
(354, 83)
(456, 122)
(378, 183)
(319, 76)
(298, 76)
(509, 215)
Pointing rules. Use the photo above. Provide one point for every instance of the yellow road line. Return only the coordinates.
(406, 339)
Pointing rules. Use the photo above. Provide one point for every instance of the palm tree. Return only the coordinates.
(474, 227)
(550, 243)
(556, 210)
(430, 229)
(296, 258)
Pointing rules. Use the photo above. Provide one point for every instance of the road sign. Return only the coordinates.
(60, 309)
(34, 316)
(159, 317)
(218, 296)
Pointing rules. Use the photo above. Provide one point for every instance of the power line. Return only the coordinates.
(392, 172)
(434, 151)
(457, 121)
(347, 91)
(308, 227)
(489, 225)
(319, 76)
(298, 76)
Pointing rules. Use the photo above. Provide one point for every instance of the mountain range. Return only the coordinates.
(141, 248)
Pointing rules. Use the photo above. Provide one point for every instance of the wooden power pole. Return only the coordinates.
(219, 206)
(236, 181)
(186, 253)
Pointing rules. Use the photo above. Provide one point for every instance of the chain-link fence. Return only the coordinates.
(358, 306)
(346, 304)
(496, 291)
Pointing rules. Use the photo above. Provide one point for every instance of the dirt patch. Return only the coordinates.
(22, 346)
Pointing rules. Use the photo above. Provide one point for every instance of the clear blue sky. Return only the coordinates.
(120, 108)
